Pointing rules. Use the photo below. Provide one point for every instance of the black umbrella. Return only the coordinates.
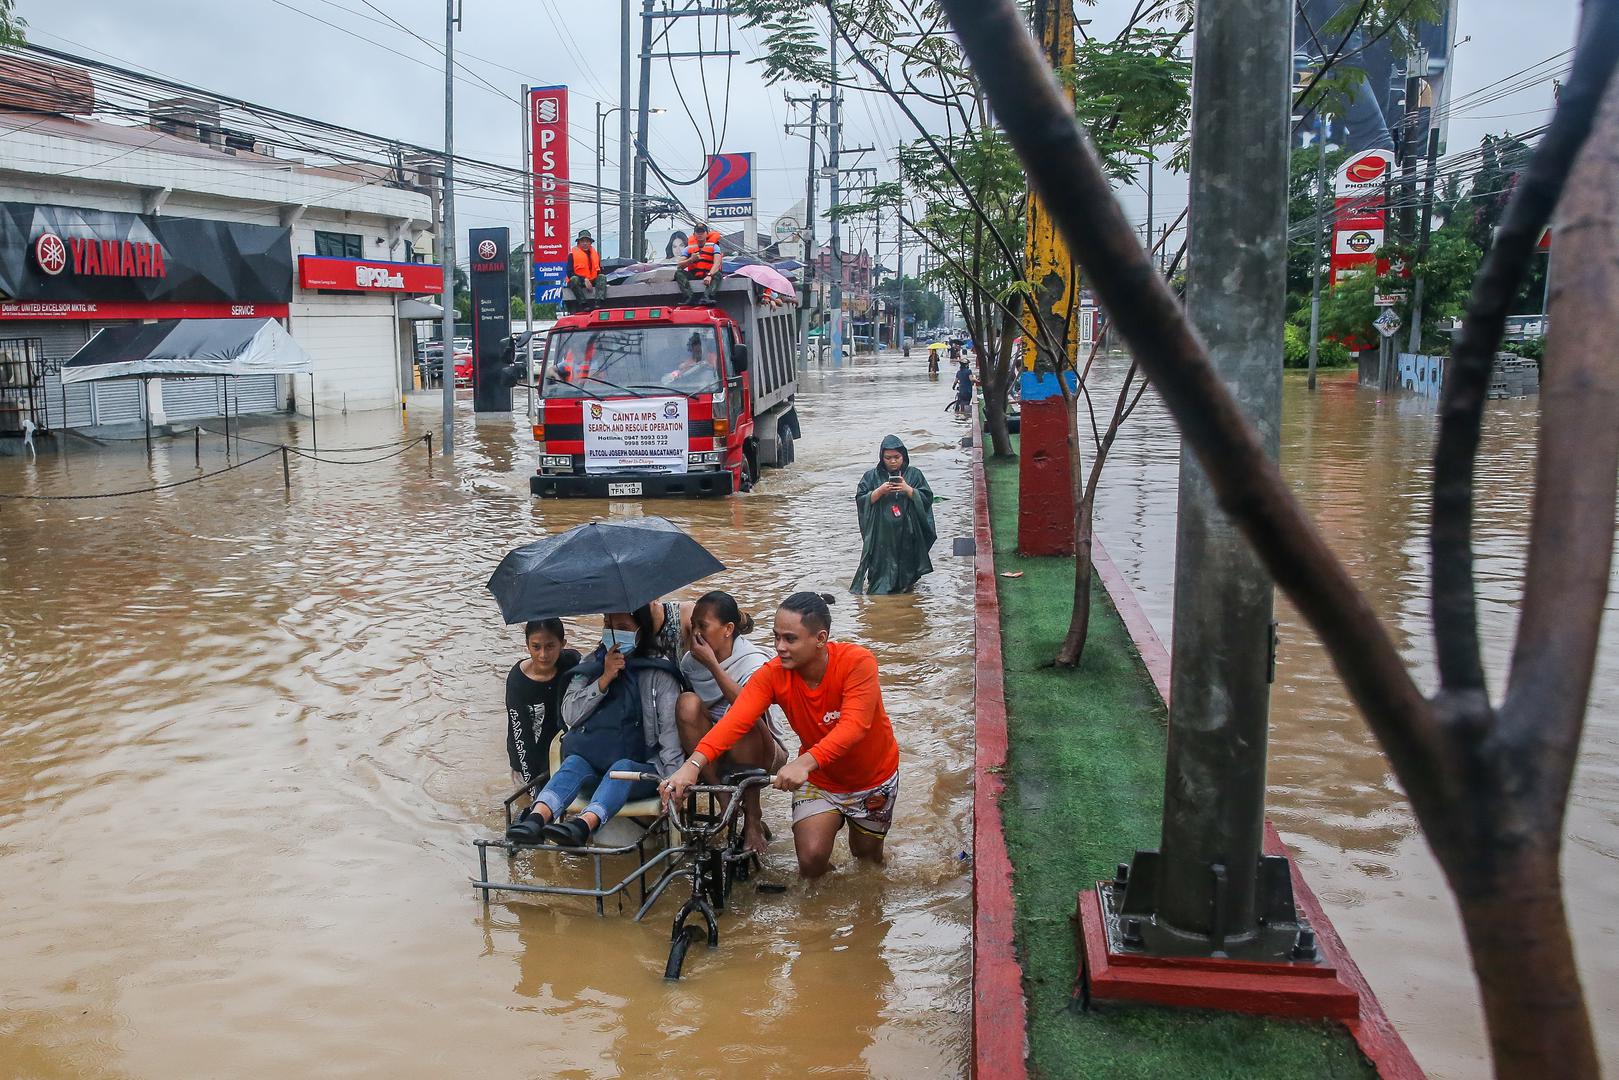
(596, 568)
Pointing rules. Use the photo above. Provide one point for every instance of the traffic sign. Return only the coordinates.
(1388, 323)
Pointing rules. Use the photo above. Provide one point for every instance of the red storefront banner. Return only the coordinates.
(365, 275)
(548, 143)
(11, 310)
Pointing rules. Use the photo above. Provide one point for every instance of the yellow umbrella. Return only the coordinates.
(937, 345)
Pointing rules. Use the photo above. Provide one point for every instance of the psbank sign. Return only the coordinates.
(363, 275)
(548, 145)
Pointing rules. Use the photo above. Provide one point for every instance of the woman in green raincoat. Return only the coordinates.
(896, 520)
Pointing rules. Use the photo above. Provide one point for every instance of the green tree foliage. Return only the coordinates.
(12, 25)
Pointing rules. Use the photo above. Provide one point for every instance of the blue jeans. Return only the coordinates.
(575, 773)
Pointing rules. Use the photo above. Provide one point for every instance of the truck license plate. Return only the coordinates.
(623, 489)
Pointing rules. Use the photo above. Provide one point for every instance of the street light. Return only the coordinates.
(623, 210)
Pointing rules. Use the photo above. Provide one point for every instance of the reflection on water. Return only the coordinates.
(1361, 464)
(247, 736)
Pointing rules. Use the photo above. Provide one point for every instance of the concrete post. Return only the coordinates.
(1214, 791)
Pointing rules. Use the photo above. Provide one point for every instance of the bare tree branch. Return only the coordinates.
(1467, 375)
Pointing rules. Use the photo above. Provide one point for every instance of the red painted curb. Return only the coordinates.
(1373, 1032)
(1000, 1020)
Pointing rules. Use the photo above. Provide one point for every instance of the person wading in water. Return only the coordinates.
(847, 769)
(895, 506)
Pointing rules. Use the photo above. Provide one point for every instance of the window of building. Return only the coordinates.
(339, 245)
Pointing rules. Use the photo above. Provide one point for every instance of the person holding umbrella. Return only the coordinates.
(620, 715)
(847, 769)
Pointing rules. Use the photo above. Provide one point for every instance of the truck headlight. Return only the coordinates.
(556, 461)
(706, 457)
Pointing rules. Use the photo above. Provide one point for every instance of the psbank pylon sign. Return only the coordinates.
(548, 146)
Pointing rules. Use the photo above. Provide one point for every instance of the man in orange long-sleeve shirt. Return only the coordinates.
(848, 763)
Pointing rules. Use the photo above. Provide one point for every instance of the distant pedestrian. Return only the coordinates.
(895, 507)
(964, 388)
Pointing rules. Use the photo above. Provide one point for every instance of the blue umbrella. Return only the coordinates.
(597, 568)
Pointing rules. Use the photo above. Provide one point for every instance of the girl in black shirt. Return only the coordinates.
(534, 700)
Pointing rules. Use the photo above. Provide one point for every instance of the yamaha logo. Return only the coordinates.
(487, 250)
(546, 110)
(51, 254)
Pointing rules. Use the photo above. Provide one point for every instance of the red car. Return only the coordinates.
(463, 367)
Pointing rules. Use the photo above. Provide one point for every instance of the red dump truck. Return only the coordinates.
(650, 396)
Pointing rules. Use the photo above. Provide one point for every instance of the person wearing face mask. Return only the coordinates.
(847, 769)
(619, 714)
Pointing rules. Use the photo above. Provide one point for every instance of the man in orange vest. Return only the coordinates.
(585, 281)
(699, 271)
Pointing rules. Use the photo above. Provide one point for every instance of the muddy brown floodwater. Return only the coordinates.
(1361, 464)
(247, 738)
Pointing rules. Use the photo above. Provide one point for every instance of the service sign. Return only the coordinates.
(643, 433)
(548, 143)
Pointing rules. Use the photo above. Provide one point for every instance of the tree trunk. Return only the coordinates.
(1534, 1008)
(1000, 440)
(1079, 623)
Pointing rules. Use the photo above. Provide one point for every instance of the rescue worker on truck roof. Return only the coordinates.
(699, 271)
(586, 285)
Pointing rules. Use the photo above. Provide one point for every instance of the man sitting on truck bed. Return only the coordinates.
(585, 282)
(701, 268)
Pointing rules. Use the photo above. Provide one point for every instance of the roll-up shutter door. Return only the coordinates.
(59, 340)
(118, 401)
(191, 399)
(255, 394)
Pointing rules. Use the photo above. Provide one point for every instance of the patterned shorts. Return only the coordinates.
(870, 811)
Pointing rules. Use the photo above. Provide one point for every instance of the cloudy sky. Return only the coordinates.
(341, 61)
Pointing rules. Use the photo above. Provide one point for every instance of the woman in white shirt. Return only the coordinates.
(721, 659)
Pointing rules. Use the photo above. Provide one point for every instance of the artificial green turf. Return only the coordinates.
(1084, 790)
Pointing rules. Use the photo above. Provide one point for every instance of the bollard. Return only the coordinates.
(429, 439)
(286, 470)
(196, 434)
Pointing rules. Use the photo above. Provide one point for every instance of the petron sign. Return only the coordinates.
(73, 262)
(730, 186)
(548, 142)
(367, 275)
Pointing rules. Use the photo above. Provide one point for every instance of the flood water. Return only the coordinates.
(1361, 464)
(248, 736)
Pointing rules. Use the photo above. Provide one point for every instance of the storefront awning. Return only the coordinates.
(411, 309)
(188, 347)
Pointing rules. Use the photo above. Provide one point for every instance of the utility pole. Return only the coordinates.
(1051, 339)
(625, 217)
(899, 244)
(1320, 239)
(452, 22)
(811, 252)
(834, 147)
(642, 218)
(1414, 344)
(1209, 890)
(1149, 198)
(528, 248)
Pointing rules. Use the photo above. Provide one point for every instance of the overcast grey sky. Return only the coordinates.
(339, 61)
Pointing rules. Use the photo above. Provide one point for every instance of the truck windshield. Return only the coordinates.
(643, 360)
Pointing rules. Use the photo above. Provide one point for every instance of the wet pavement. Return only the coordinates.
(1361, 464)
(248, 735)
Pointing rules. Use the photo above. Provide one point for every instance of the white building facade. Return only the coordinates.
(105, 224)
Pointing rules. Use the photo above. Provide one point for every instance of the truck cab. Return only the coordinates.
(651, 397)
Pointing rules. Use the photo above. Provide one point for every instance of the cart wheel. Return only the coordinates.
(677, 950)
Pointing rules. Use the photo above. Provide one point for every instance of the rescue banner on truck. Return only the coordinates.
(647, 433)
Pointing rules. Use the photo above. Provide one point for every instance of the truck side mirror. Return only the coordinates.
(739, 358)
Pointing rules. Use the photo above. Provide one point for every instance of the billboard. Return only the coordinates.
(730, 186)
(548, 144)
